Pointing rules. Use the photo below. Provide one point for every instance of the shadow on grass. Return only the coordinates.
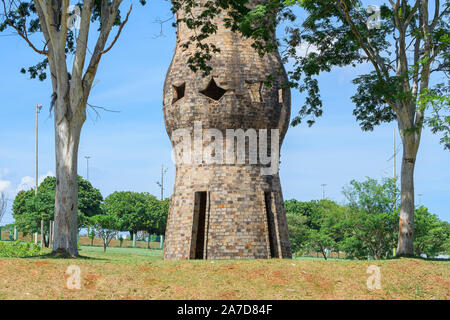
(420, 258)
(383, 259)
(63, 256)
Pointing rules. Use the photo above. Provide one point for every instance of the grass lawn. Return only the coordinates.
(127, 273)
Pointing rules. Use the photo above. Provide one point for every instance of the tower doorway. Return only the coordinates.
(198, 227)
(273, 244)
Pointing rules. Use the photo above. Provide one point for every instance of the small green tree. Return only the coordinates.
(106, 226)
(432, 234)
(312, 225)
(371, 223)
(320, 241)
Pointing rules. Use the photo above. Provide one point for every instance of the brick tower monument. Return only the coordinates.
(226, 209)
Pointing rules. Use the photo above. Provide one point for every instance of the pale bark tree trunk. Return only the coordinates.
(406, 223)
(70, 96)
(67, 139)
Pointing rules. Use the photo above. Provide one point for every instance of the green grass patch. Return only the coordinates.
(117, 254)
(18, 249)
(139, 273)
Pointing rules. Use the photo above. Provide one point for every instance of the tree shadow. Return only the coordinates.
(419, 258)
(57, 255)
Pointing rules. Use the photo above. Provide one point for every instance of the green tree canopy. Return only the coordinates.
(312, 225)
(105, 226)
(138, 211)
(28, 209)
(370, 226)
(432, 234)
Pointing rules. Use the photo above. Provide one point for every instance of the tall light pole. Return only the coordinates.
(87, 167)
(38, 110)
(323, 191)
(161, 183)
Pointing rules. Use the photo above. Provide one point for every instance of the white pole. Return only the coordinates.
(38, 109)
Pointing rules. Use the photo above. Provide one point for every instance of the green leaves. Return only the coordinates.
(29, 210)
(432, 236)
(366, 225)
(137, 211)
(372, 220)
(370, 196)
(370, 100)
(311, 225)
(106, 226)
(438, 101)
(19, 249)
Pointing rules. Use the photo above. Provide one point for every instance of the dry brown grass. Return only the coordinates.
(127, 276)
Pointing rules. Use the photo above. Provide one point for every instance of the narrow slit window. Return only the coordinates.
(255, 89)
(178, 92)
(280, 96)
(213, 91)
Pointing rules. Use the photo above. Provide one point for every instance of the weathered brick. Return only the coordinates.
(236, 219)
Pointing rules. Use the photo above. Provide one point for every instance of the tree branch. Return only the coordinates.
(22, 34)
(411, 15)
(108, 16)
(64, 26)
(80, 54)
(118, 32)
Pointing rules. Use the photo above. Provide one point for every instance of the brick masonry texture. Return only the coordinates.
(226, 211)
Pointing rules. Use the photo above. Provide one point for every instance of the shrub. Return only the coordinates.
(19, 249)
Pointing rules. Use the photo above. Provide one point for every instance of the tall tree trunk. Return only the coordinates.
(406, 224)
(67, 138)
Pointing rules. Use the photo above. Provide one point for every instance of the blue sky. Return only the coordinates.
(128, 148)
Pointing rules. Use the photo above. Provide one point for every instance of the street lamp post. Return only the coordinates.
(38, 110)
(323, 191)
(161, 183)
(87, 167)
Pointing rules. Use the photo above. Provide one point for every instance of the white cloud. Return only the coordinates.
(4, 185)
(48, 174)
(305, 48)
(27, 182)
